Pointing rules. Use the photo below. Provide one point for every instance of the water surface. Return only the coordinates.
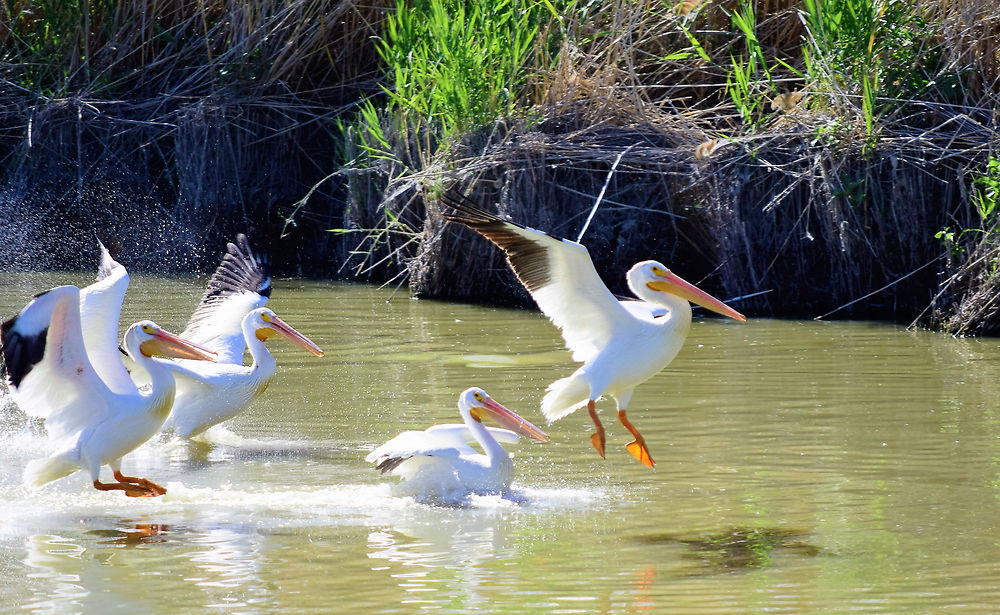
(801, 467)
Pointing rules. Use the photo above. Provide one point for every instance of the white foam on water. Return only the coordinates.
(73, 501)
(221, 436)
(245, 498)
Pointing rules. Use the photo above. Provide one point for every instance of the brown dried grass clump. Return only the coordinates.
(184, 48)
(968, 301)
(629, 55)
(970, 33)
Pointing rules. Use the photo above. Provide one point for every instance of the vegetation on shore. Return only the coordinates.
(839, 154)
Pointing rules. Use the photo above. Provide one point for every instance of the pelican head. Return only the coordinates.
(655, 276)
(266, 324)
(151, 340)
(477, 404)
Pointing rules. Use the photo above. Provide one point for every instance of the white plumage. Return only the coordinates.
(230, 318)
(208, 394)
(438, 463)
(101, 307)
(620, 343)
(51, 377)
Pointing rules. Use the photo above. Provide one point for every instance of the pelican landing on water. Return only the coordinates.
(620, 343)
(438, 463)
(89, 423)
(230, 319)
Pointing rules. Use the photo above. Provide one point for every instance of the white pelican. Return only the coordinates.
(51, 377)
(620, 343)
(437, 463)
(208, 394)
(230, 318)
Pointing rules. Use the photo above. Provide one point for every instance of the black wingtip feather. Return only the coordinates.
(528, 259)
(389, 464)
(241, 270)
(20, 352)
(469, 209)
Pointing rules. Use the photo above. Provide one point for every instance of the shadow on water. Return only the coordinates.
(738, 548)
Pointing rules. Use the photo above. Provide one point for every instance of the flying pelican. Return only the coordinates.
(620, 343)
(437, 463)
(230, 318)
(51, 377)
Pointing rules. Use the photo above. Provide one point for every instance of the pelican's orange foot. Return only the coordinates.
(130, 489)
(156, 489)
(142, 484)
(597, 439)
(137, 491)
(640, 452)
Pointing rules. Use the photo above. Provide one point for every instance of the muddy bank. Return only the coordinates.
(816, 228)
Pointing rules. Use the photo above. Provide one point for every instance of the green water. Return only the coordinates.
(801, 467)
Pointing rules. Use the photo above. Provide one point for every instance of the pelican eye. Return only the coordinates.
(478, 395)
(148, 329)
(265, 317)
(659, 271)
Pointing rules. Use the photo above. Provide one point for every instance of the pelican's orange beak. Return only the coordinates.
(672, 283)
(166, 344)
(280, 327)
(508, 419)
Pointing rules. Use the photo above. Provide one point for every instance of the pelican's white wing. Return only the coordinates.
(558, 273)
(208, 394)
(47, 367)
(462, 435)
(239, 285)
(416, 443)
(100, 310)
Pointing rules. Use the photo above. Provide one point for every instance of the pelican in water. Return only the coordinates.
(90, 424)
(620, 343)
(438, 463)
(230, 318)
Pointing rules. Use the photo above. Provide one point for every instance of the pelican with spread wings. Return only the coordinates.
(90, 421)
(620, 343)
(230, 319)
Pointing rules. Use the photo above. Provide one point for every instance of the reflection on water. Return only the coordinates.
(738, 548)
(416, 553)
(54, 563)
(138, 535)
(803, 467)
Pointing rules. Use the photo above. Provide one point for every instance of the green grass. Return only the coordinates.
(987, 193)
(984, 199)
(749, 81)
(876, 51)
(457, 64)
